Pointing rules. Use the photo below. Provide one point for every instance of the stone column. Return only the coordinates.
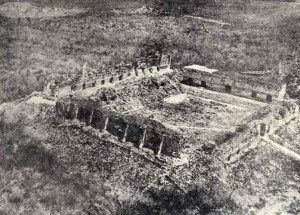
(142, 141)
(67, 110)
(125, 133)
(76, 112)
(47, 88)
(105, 125)
(160, 145)
(169, 61)
(90, 118)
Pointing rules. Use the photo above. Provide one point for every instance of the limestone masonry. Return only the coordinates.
(128, 104)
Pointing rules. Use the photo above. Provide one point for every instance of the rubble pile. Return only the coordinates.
(143, 93)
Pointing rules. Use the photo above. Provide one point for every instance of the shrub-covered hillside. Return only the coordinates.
(258, 35)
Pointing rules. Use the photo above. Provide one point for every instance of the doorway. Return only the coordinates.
(269, 98)
(263, 129)
(228, 89)
(254, 94)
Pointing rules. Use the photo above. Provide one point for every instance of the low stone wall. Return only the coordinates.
(117, 75)
(113, 79)
(264, 122)
(142, 132)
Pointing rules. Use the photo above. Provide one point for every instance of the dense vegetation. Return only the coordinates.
(33, 181)
(72, 172)
(258, 36)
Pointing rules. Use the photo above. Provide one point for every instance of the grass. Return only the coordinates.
(34, 181)
(260, 33)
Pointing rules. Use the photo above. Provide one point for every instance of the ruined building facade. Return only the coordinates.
(110, 75)
(263, 123)
(258, 87)
(141, 132)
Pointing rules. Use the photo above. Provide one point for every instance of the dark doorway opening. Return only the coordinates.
(190, 82)
(254, 94)
(263, 129)
(227, 88)
(111, 80)
(203, 84)
(84, 86)
(269, 98)
(73, 87)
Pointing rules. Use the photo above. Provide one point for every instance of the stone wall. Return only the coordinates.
(235, 84)
(112, 79)
(111, 74)
(142, 132)
(264, 122)
(120, 72)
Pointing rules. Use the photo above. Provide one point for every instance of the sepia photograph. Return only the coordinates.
(149, 107)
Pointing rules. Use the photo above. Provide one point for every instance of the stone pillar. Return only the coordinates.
(76, 112)
(270, 129)
(90, 118)
(169, 61)
(160, 145)
(105, 125)
(47, 89)
(258, 129)
(142, 142)
(297, 110)
(125, 133)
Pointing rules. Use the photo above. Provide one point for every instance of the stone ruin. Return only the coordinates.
(140, 131)
(117, 73)
(51, 89)
(262, 123)
(255, 86)
(111, 74)
(145, 132)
